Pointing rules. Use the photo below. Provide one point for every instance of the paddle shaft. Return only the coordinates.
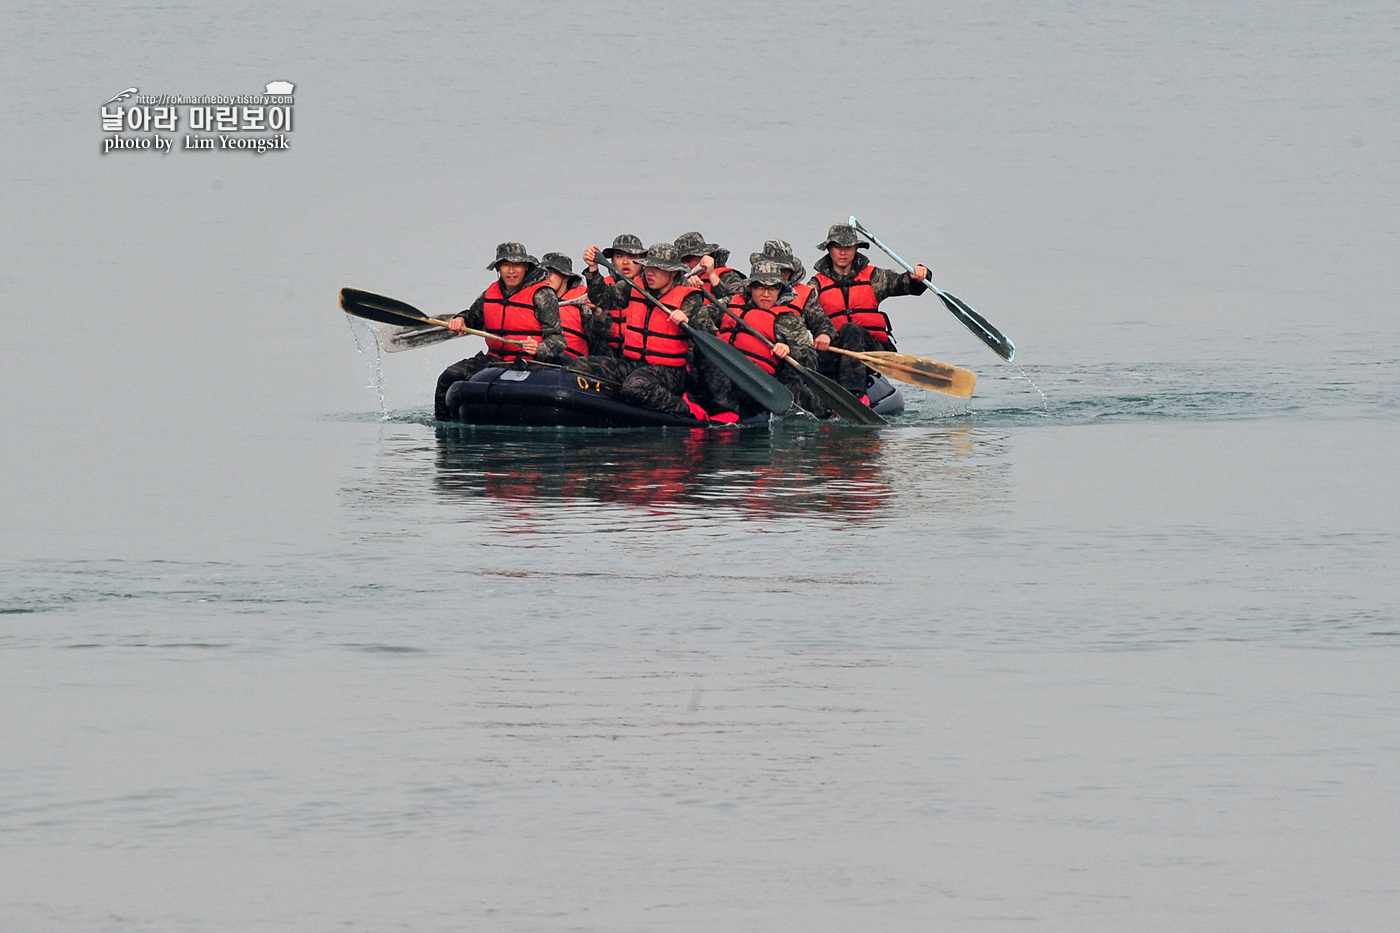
(358, 298)
(1000, 344)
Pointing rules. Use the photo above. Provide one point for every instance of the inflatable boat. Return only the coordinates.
(550, 396)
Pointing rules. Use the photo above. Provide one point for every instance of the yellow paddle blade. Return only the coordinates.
(915, 370)
(941, 377)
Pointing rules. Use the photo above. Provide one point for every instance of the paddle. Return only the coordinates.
(832, 393)
(387, 310)
(395, 338)
(743, 372)
(915, 370)
(1001, 345)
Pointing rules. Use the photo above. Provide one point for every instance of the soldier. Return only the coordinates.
(717, 277)
(655, 351)
(575, 319)
(764, 302)
(517, 305)
(805, 296)
(850, 290)
(608, 294)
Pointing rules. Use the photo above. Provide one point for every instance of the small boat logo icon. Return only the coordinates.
(280, 87)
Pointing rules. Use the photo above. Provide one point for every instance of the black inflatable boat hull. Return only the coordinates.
(550, 397)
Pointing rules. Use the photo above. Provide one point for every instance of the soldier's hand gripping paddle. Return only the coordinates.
(915, 370)
(763, 388)
(832, 393)
(1001, 344)
(387, 310)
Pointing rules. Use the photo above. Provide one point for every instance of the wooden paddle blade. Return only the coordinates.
(743, 372)
(395, 338)
(383, 309)
(915, 370)
(834, 395)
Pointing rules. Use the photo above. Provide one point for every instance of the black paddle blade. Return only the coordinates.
(381, 308)
(836, 397)
(1001, 344)
(743, 372)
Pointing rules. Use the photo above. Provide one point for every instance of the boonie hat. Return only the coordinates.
(558, 262)
(513, 252)
(779, 250)
(663, 256)
(842, 235)
(694, 244)
(625, 243)
(766, 272)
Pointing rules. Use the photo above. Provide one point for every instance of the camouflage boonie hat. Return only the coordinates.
(693, 244)
(663, 256)
(780, 251)
(842, 235)
(766, 272)
(625, 243)
(513, 252)
(558, 262)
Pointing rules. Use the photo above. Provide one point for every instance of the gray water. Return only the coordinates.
(277, 652)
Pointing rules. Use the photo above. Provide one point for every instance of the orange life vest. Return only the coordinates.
(854, 302)
(619, 316)
(651, 335)
(571, 319)
(512, 317)
(804, 291)
(761, 321)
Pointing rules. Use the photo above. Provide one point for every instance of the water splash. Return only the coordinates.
(358, 329)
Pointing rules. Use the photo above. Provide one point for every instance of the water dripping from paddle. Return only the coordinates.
(1044, 401)
(356, 329)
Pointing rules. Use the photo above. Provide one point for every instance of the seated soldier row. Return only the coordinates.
(596, 324)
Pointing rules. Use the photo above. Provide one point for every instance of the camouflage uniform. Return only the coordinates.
(609, 299)
(546, 312)
(597, 324)
(886, 283)
(812, 314)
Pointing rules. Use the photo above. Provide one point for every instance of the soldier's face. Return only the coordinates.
(842, 256)
(626, 264)
(512, 273)
(556, 281)
(765, 296)
(657, 279)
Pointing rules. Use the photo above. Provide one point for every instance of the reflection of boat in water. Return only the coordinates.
(793, 468)
(547, 396)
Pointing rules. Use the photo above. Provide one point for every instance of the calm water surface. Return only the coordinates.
(277, 652)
